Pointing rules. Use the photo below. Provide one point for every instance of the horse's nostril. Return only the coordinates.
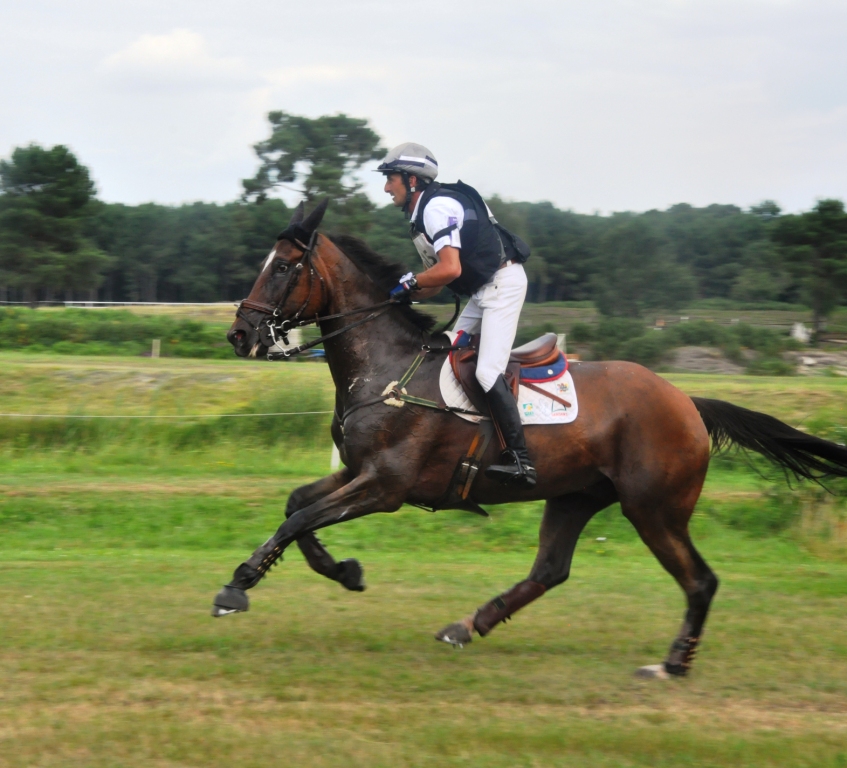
(239, 335)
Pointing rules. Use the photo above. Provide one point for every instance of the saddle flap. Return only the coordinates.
(464, 362)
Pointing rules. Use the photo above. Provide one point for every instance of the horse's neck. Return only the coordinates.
(357, 357)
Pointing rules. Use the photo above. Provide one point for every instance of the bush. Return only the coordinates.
(581, 333)
(648, 349)
(109, 332)
(771, 366)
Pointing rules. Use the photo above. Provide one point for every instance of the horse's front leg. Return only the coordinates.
(348, 572)
(363, 495)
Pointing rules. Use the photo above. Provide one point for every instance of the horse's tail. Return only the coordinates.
(805, 456)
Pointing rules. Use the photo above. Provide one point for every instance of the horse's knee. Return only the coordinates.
(295, 502)
(551, 573)
(557, 580)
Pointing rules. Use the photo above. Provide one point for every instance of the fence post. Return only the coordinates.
(157, 347)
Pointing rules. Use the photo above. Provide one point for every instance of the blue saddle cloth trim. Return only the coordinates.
(546, 372)
(462, 340)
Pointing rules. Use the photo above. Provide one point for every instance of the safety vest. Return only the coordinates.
(485, 244)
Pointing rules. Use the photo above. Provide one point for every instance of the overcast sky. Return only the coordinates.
(603, 105)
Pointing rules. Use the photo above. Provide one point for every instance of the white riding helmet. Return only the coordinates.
(411, 158)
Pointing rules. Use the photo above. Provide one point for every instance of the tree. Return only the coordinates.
(321, 154)
(45, 198)
(636, 271)
(815, 246)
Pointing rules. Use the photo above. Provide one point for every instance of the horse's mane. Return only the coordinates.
(384, 273)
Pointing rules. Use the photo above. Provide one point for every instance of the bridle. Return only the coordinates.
(279, 327)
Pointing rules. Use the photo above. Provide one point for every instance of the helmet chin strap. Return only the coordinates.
(410, 190)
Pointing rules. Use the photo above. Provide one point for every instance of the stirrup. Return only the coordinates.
(518, 473)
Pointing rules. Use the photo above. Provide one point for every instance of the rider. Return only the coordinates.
(463, 247)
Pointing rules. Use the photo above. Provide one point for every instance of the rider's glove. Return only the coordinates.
(401, 291)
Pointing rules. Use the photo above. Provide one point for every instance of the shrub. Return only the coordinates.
(108, 332)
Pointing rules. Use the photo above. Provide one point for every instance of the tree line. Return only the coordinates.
(58, 241)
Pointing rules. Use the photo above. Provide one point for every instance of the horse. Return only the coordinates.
(638, 440)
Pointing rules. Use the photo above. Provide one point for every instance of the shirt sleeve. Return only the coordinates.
(443, 218)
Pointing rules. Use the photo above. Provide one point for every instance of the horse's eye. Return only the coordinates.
(282, 268)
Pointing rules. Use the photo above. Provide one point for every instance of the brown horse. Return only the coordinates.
(638, 440)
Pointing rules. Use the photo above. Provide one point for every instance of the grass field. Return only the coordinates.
(116, 535)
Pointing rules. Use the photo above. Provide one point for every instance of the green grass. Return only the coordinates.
(113, 543)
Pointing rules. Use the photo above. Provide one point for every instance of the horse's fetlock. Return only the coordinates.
(502, 607)
(681, 656)
(350, 574)
(246, 577)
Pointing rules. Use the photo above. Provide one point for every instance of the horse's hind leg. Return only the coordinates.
(563, 521)
(665, 532)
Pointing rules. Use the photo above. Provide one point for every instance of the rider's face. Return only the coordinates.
(395, 187)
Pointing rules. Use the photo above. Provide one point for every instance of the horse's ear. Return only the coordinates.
(297, 217)
(313, 220)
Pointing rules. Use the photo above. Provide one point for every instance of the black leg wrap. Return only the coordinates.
(246, 577)
(351, 575)
(682, 653)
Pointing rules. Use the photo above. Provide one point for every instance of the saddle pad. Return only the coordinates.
(534, 407)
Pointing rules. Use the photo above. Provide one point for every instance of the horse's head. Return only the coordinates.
(288, 287)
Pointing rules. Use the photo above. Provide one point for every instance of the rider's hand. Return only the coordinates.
(401, 292)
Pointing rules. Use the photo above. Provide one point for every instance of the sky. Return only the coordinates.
(603, 106)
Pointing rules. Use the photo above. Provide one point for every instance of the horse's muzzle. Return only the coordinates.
(245, 340)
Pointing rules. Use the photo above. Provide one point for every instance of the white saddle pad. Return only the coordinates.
(534, 407)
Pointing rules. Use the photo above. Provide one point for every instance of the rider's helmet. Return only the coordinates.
(410, 159)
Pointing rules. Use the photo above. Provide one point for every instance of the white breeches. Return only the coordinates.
(493, 312)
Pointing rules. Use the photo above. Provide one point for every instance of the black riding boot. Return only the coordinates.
(515, 468)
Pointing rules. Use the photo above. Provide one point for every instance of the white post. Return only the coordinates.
(562, 343)
(157, 347)
(334, 459)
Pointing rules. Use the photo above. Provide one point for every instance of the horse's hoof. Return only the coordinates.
(230, 600)
(351, 575)
(458, 635)
(653, 672)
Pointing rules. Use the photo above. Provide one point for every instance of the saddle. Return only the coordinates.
(537, 361)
